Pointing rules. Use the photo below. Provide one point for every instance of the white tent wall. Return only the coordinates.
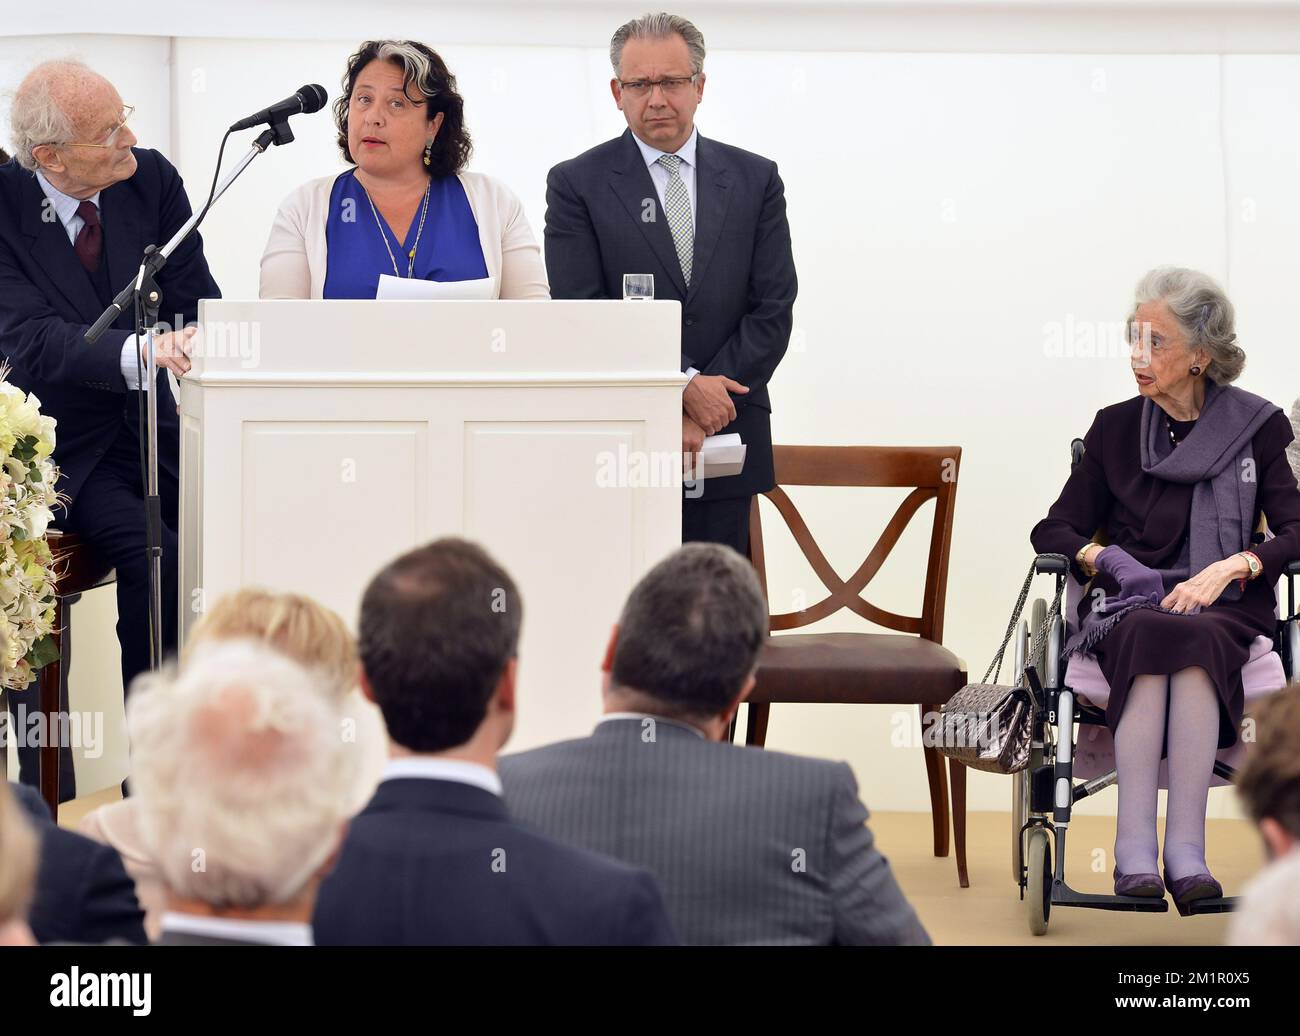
(973, 192)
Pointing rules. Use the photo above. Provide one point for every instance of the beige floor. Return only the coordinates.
(990, 912)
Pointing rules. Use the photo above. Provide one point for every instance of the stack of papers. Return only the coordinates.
(721, 455)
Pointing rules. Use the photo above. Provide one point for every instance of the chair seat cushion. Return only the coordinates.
(856, 668)
(1094, 754)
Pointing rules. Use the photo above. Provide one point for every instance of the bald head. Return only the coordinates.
(60, 110)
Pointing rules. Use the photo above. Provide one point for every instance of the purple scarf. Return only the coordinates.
(1216, 459)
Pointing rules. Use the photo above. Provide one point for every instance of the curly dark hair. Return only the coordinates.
(422, 67)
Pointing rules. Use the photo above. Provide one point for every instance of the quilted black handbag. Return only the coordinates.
(988, 726)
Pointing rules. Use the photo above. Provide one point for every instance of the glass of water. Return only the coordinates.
(638, 286)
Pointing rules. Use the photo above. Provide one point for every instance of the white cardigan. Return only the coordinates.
(295, 259)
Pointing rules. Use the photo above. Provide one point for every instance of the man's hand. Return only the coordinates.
(171, 351)
(1204, 588)
(692, 440)
(707, 403)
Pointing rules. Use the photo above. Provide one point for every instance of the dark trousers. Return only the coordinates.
(717, 521)
(109, 513)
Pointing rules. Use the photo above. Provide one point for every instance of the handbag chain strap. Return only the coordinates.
(1039, 634)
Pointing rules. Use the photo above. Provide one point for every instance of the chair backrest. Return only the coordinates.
(931, 473)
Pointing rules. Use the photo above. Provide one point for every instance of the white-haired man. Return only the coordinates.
(78, 206)
(243, 795)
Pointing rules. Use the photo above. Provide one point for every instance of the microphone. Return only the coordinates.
(308, 99)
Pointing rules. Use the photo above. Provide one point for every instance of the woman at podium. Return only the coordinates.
(406, 208)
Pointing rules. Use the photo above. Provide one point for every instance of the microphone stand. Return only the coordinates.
(145, 298)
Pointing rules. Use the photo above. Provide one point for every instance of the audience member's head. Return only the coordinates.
(687, 643)
(1269, 782)
(235, 765)
(438, 639)
(312, 635)
(19, 854)
(4, 156)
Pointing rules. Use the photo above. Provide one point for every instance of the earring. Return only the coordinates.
(1196, 372)
(428, 153)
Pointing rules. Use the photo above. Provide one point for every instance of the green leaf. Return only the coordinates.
(25, 448)
(43, 652)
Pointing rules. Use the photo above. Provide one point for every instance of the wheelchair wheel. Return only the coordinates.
(1039, 657)
(1291, 649)
(1019, 781)
(1038, 890)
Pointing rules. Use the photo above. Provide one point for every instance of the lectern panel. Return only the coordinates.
(362, 484)
(572, 538)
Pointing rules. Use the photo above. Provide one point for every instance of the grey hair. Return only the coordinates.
(691, 630)
(36, 117)
(237, 753)
(1202, 310)
(659, 26)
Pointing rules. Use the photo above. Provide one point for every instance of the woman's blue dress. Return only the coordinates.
(449, 248)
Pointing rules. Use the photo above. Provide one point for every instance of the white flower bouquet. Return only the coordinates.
(27, 497)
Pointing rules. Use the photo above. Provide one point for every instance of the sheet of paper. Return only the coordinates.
(722, 455)
(391, 287)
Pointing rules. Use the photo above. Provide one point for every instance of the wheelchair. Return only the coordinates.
(1043, 794)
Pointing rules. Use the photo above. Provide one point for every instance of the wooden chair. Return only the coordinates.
(868, 668)
(79, 569)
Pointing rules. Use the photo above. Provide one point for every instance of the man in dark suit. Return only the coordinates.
(749, 846)
(78, 205)
(83, 893)
(435, 858)
(708, 220)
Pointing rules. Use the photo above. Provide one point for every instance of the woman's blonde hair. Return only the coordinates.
(19, 851)
(309, 633)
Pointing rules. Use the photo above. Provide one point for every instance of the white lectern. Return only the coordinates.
(321, 439)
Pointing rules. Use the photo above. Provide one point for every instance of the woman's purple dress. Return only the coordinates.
(1148, 517)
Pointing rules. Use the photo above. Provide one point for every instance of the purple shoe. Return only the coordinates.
(1188, 890)
(1147, 886)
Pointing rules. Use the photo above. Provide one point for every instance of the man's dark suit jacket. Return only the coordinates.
(749, 846)
(604, 219)
(434, 862)
(83, 893)
(48, 301)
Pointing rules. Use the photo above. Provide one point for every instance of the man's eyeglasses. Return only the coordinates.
(111, 139)
(644, 87)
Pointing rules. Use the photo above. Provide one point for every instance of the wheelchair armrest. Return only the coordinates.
(1052, 564)
(1293, 569)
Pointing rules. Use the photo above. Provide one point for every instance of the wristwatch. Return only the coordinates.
(1087, 568)
(1252, 562)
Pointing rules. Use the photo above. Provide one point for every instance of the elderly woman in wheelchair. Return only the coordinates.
(1181, 598)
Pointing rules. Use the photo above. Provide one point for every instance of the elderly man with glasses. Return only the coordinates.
(78, 206)
(708, 221)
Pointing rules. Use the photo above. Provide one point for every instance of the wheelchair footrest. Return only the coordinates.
(1063, 895)
(1218, 905)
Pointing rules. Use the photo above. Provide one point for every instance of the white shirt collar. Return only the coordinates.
(650, 715)
(274, 933)
(436, 769)
(65, 205)
(686, 152)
